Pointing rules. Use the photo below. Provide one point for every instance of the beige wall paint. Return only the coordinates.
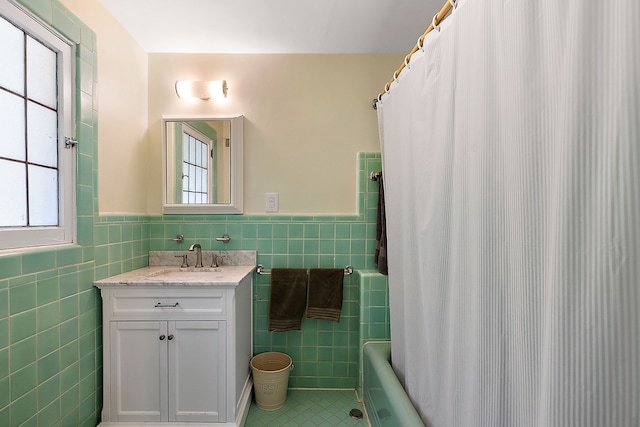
(122, 112)
(306, 117)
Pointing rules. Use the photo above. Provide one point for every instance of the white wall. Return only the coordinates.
(122, 111)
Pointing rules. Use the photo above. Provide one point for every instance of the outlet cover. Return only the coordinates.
(271, 203)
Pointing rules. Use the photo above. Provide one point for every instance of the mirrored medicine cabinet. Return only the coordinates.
(202, 164)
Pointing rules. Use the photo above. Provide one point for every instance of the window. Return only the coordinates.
(37, 169)
(196, 163)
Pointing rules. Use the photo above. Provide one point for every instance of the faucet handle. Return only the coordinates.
(215, 259)
(185, 264)
(179, 238)
(224, 239)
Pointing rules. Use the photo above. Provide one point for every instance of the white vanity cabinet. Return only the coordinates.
(176, 354)
(168, 371)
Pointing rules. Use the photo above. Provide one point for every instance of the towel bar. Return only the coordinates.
(261, 270)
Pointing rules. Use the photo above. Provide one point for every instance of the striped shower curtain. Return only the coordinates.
(511, 157)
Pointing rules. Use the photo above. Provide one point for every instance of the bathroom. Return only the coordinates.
(50, 312)
(325, 205)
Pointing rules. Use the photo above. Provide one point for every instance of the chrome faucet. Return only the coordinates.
(198, 254)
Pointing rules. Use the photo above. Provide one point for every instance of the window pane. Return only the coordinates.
(204, 186)
(185, 179)
(185, 176)
(198, 179)
(12, 125)
(12, 58)
(42, 131)
(192, 178)
(197, 153)
(185, 147)
(13, 209)
(204, 148)
(43, 196)
(41, 73)
(192, 150)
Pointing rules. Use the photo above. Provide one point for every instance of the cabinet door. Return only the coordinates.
(138, 371)
(197, 371)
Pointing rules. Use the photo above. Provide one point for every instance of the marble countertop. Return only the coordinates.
(171, 274)
(160, 275)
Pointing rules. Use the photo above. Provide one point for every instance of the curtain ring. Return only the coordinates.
(395, 76)
(420, 43)
(406, 61)
(453, 3)
(433, 23)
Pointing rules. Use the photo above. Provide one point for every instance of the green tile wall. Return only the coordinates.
(50, 334)
(47, 307)
(374, 307)
(373, 304)
(121, 244)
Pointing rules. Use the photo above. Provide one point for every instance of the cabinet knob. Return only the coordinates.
(162, 337)
(170, 337)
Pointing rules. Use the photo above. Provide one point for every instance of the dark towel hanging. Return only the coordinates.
(380, 257)
(324, 296)
(287, 299)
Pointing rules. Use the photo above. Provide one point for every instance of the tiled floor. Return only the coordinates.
(310, 408)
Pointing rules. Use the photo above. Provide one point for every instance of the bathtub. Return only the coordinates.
(384, 399)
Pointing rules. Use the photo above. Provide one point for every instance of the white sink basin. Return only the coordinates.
(193, 275)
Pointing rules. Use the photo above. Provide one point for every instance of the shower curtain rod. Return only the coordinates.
(437, 19)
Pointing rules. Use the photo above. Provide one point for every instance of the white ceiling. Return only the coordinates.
(275, 26)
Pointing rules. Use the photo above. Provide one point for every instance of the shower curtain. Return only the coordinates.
(511, 157)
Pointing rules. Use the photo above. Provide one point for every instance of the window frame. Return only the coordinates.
(65, 232)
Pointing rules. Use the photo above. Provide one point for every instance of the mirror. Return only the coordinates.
(202, 164)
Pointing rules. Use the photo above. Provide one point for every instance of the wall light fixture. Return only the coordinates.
(216, 89)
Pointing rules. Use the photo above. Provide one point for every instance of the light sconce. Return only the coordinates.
(216, 89)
